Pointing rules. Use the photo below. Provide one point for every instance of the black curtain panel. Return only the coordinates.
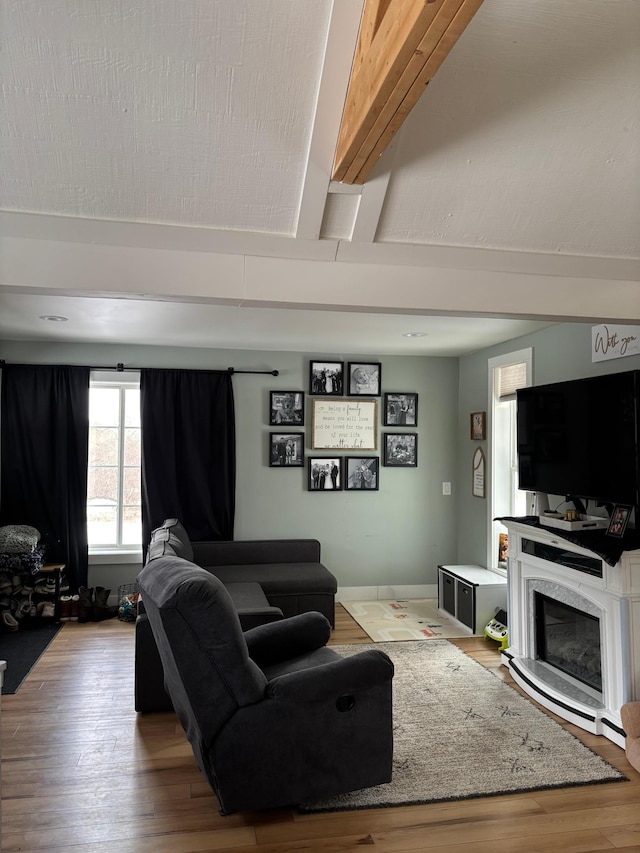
(188, 451)
(44, 440)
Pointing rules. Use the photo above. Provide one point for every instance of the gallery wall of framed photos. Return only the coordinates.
(343, 446)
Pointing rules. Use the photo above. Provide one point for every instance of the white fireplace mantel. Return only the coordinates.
(613, 598)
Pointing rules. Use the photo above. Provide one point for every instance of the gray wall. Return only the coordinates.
(395, 536)
(559, 352)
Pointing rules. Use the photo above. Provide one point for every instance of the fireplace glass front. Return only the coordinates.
(569, 640)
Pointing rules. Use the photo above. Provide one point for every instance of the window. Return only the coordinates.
(507, 373)
(114, 516)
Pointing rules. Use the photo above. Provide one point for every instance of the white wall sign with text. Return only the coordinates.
(611, 341)
(341, 424)
(477, 477)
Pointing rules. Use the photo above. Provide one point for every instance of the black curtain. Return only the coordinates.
(44, 457)
(188, 451)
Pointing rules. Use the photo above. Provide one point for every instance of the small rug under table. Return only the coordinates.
(403, 619)
(461, 732)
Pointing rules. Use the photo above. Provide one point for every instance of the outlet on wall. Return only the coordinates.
(446, 488)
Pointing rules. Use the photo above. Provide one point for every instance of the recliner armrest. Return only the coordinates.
(287, 638)
(354, 674)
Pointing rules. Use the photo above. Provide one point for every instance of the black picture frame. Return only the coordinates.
(400, 449)
(286, 408)
(326, 378)
(364, 378)
(400, 409)
(286, 450)
(324, 474)
(361, 473)
(619, 520)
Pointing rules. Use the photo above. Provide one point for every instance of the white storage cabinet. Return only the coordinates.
(471, 595)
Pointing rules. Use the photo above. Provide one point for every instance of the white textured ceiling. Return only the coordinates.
(193, 112)
(177, 148)
(133, 321)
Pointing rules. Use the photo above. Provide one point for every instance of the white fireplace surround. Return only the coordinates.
(614, 599)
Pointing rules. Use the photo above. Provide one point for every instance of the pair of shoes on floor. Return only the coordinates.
(69, 606)
(8, 622)
(93, 604)
(85, 603)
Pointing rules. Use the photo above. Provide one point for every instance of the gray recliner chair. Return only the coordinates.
(274, 716)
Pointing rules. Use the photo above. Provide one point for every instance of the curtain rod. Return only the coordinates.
(120, 368)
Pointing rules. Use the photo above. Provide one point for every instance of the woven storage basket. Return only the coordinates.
(127, 589)
(127, 609)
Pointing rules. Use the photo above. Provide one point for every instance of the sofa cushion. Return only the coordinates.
(170, 540)
(252, 605)
(255, 552)
(281, 578)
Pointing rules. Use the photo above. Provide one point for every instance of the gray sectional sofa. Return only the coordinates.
(266, 580)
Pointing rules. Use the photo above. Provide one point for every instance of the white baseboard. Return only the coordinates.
(386, 593)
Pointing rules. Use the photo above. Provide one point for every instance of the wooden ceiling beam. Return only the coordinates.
(400, 47)
(372, 15)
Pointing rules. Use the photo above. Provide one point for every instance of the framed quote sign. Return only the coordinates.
(344, 424)
(477, 480)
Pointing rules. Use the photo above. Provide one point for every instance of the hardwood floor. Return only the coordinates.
(82, 773)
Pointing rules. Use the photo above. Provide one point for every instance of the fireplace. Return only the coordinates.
(569, 640)
(574, 628)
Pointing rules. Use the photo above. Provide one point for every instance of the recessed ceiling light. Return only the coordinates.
(414, 334)
(53, 318)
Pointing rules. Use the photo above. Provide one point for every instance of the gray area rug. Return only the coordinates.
(22, 650)
(461, 732)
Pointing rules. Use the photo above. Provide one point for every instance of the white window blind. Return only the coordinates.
(510, 378)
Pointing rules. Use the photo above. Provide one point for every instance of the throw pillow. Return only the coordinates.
(171, 538)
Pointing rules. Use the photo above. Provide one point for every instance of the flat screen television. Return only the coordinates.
(580, 438)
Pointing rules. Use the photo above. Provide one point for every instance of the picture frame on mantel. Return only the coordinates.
(619, 520)
(478, 426)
